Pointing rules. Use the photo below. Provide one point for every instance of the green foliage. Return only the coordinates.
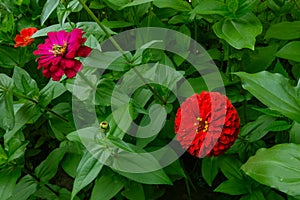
(47, 153)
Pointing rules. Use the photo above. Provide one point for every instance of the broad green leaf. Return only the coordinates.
(232, 187)
(87, 170)
(88, 27)
(257, 129)
(260, 59)
(25, 188)
(116, 24)
(255, 195)
(48, 168)
(284, 31)
(154, 177)
(209, 169)
(52, 28)
(290, 51)
(104, 91)
(178, 5)
(245, 6)
(240, 32)
(51, 91)
(70, 163)
(48, 8)
(16, 151)
(277, 167)
(135, 3)
(103, 60)
(107, 186)
(175, 170)
(9, 57)
(279, 125)
(295, 133)
(273, 90)
(7, 118)
(232, 5)
(116, 4)
(133, 191)
(211, 7)
(24, 83)
(8, 179)
(3, 156)
(29, 112)
(230, 166)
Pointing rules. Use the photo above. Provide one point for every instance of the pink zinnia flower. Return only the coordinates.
(57, 54)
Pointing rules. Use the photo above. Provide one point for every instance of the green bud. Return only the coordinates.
(104, 127)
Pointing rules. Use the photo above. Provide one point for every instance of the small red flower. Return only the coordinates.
(57, 54)
(24, 39)
(207, 124)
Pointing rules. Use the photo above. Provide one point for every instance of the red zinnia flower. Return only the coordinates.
(24, 39)
(57, 54)
(207, 124)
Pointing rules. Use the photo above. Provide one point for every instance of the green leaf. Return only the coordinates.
(87, 170)
(290, 51)
(107, 186)
(232, 5)
(134, 191)
(211, 7)
(284, 31)
(240, 32)
(255, 195)
(25, 188)
(3, 156)
(51, 91)
(273, 90)
(254, 131)
(154, 177)
(70, 163)
(135, 3)
(48, 168)
(24, 83)
(245, 6)
(178, 5)
(277, 167)
(9, 57)
(232, 187)
(294, 133)
(230, 166)
(27, 113)
(8, 179)
(48, 8)
(209, 169)
(7, 118)
(278, 126)
(104, 91)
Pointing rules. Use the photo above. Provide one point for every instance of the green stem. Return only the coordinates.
(27, 171)
(21, 96)
(119, 48)
(93, 16)
(149, 86)
(87, 81)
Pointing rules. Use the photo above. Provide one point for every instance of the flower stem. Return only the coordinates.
(119, 48)
(21, 96)
(87, 81)
(93, 16)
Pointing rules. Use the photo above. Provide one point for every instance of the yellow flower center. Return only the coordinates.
(59, 50)
(201, 125)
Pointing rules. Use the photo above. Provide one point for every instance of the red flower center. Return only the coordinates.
(201, 125)
(59, 50)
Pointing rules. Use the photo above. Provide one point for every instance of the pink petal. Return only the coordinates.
(70, 73)
(84, 51)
